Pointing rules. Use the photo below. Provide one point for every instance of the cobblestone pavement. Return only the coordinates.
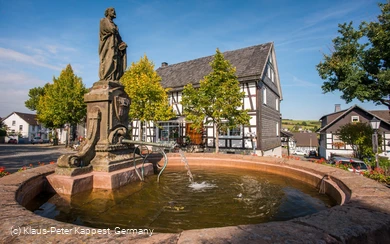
(14, 157)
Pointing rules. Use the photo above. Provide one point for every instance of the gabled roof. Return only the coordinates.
(306, 139)
(250, 63)
(344, 112)
(286, 133)
(383, 115)
(31, 119)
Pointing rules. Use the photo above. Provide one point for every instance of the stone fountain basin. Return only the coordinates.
(363, 215)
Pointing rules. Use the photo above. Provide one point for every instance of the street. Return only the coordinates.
(15, 156)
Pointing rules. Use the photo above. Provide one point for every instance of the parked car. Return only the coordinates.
(37, 140)
(299, 153)
(355, 165)
(385, 154)
(12, 141)
(312, 154)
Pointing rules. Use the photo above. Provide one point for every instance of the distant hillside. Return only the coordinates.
(297, 125)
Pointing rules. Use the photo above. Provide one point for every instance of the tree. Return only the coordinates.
(3, 128)
(359, 64)
(149, 100)
(359, 137)
(34, 95)
(217, 101)
(63, 101)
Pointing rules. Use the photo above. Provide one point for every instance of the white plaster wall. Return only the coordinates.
(18, 121)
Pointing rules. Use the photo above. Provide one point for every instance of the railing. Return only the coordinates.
(140, 146)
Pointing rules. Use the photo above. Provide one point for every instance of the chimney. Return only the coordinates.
(337, 107)
(164, 64)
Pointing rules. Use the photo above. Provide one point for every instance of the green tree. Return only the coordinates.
(63, 101)
(149, 100)
(359, 137)
(34, 94)
(359, 64)
(217, 101)
(3, 128)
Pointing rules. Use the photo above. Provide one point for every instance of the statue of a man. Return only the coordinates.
(112, 50)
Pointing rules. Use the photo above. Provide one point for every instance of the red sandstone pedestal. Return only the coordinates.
(70, 185)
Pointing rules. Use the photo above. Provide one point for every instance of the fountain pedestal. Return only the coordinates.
(107, 121)
(110, 99)
(102, 161)
(70, 185)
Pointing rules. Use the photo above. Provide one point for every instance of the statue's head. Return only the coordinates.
(110, 12)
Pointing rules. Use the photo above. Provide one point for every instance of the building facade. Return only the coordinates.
(24, 125)
(257, 72)
(330, 143)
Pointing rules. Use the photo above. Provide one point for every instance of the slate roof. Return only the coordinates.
(303, 139)
(31, 119)
(249, 62)
(384, 115)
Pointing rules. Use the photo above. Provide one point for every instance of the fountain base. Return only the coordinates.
(70, 185)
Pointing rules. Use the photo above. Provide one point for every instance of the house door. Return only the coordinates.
(195, 137)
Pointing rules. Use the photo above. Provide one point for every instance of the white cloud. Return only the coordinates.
(13, 100)
(11, 55)
(10, 80)
(296, 82)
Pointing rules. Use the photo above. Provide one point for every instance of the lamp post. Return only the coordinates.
(374, 123)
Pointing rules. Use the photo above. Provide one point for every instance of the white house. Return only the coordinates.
(24, 125)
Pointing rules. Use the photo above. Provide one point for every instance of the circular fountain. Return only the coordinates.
(362, 215)
(219, 196)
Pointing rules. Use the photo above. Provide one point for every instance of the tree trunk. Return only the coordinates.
(216, 134)
(55, 138)
(141, 130)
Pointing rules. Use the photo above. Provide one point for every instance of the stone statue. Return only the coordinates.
(112, 50)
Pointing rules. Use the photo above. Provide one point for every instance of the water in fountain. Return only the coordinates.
(225, 197)
(184, 160)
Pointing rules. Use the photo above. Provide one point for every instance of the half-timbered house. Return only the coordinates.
(330, 143)
(257, 72)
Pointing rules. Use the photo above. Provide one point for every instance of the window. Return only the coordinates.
(264, 95)
(237, 131)
(270, 72)
(13, 122)
(337, 143)
(354, 119)
(20, 127)
(168, 131)
(277, 128)
(277, 104)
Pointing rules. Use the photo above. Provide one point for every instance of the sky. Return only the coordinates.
(39, 38)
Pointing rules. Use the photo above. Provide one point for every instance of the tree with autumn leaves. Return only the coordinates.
(218, 100)
(62, 102)
(149, 100)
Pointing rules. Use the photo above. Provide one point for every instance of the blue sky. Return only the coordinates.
(39, 38)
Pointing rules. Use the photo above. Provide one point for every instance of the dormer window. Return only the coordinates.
(355, 119)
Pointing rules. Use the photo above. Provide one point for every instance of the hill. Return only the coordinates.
(298, 125)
